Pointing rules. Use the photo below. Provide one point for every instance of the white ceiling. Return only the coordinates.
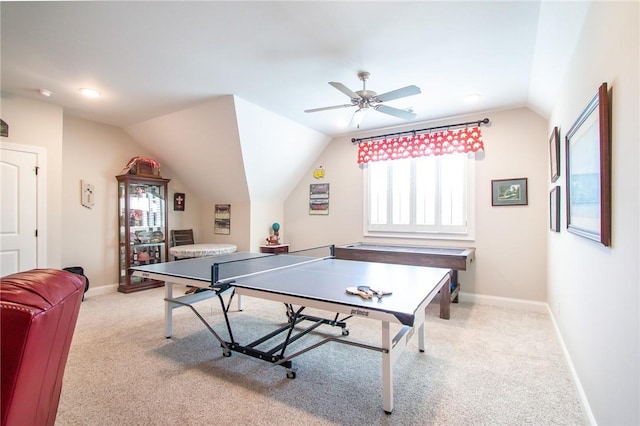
(152, 58)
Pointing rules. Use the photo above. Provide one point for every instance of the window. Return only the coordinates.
(416, 196)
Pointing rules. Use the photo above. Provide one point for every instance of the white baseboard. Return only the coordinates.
(504, 302)
(103, 289)
(586, 408)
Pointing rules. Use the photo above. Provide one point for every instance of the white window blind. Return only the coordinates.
(417, 196)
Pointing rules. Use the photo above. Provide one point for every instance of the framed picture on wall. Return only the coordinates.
(554, 154)
(554, 209)
(178, 201)
(319, 199)
(509, 192)
(588, 147)
(222, 219)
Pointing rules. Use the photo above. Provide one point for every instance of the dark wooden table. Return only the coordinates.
(453, 258)
(275, 248)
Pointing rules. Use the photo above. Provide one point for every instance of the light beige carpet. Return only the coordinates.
(485, 366)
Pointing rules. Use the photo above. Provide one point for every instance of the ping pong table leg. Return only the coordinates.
(421, 337)
(445, 300)
(387, 369)
(419, 323)
(168, 309)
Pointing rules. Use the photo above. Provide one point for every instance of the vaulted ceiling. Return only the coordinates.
(152, 59)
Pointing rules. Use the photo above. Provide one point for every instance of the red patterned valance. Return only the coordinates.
(422, 145)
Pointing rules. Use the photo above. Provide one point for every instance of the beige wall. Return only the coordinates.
(40, 124)
(96, 153)
(240, 225)
(82, 150)
(264, 214)
(594, 290)
(510, 241)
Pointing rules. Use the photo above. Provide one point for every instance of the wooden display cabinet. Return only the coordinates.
(143, 228)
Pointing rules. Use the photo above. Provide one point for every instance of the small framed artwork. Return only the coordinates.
(554, 154)
(554, 209)
(4, 128)
(509, 192)
(319, 199)
(222, 219)
(588, 156)
(178, 201)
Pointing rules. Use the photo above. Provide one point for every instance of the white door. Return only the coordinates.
(18, 211)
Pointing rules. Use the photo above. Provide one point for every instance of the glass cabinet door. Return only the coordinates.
(142, 229)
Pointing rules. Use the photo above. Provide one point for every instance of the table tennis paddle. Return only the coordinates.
(366, 292)
(356, 291)
(378, 293)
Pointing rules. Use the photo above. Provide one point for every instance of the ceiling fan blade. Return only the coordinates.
(399, 93)
(344, 89)
(400, 113)
(328, 108)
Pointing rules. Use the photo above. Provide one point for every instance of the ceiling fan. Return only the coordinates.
(365, 99)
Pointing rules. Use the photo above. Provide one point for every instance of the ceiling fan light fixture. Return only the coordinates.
(357, 118)
(368, 99)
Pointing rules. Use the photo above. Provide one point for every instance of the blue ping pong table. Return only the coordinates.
(301, 280)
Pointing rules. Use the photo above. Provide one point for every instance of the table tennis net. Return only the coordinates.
(230, 271)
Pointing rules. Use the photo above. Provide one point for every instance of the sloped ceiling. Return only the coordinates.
(275, 150)
(194, 81)
(152, 58)
(229, 150)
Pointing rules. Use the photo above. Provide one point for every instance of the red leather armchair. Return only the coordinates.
(38, 314)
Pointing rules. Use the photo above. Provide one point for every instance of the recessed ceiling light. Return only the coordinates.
(472, 98)
(45, 92)
(90, 93)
